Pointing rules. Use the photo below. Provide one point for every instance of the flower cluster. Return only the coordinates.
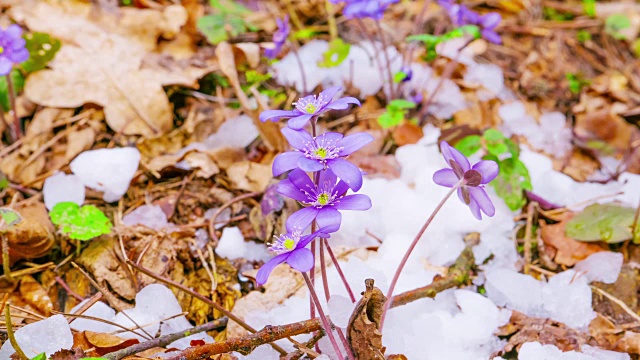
(12, 48)
(360, 9)
(279, 37)
(461, 15)
(324, 193)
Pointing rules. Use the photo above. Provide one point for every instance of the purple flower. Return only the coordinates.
(290, 248)
(279, 37)
(322, 152)
(360, 9)
(309, 107)
(471, 190)
(324, 199)
(12, 50)
(461, 15)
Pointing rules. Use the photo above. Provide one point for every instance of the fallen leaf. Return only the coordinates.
(250, 176)
(363, 331)
(101, 67)
(407, 133)
(602, 222)
(73, 354)
(33, 236)
(106, 343)
(569, 251)
(36, 295)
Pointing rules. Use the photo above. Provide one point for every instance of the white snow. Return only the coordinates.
(489, 77)
(237, 132)
(61, 187)
(232, 246)
(107, 170)
(150, 216)
(48, 336)
(156, 309)
(537, 351)
(340, 310)
(603, 266)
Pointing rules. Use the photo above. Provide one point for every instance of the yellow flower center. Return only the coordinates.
(289, 244)
(321, 153)
(323, 199)
(1, 49)
(310, 108)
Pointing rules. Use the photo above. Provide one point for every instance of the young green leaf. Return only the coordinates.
(41, 356)
(80, 223)
(8, 218)
(4, 182)
(495, 142)
(18, 85)
(602, 222)
(335, 55)
(616, 22)
(511, 182)
(42, 49)
(583, 36)
(469, 145)
(589, 7)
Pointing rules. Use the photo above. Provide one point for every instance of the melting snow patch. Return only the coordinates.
(150, 216)
(537, 351)
(48, 336)
(61, 187)
(108, 170)
(232, 246)
(603, 266)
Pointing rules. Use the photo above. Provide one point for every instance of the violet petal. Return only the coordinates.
(285, 162)
(449, 153)
(286, 188)
(299, 122)
(309, 165)
(329, 219)
(354, 202)
(488, 169)
(301, 219)
(347, 172)
(445, 177)
(482, 199)
(267, 268)
(275, 115)
(299, 139)
(301, 260)
(352, 143)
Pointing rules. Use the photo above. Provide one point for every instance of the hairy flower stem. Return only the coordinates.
(403, 262)
(344, 278)
(12, 101)
(12, 337)
(323, 317)
(383, 42)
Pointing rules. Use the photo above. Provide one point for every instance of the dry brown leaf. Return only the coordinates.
(36, 295)
(101, 67)
(363, 331)
(73, 354)
(569, 251)
(407, 133)
(250, 176)
(33, 236)
(106, 343)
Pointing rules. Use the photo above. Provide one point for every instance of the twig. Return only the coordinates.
(165, 340)
(68, 289)
(527, 235)
(12, 101)
(618, 302)
(200, 297)
(12, 337)
(296, 355)
(6, 261)
(212, 228)
(248, 343)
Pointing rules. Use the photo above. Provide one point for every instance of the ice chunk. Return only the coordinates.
(48, 336)
(61, 187)
(178, 324)
(150, 216)
(98, 310)
(567, 298)
(340, 310)
(237, 132)
(108, 170)
(601, 354)
(232, 246)
(157, 299)
(506, 287)
(263, 352)
(489, 77)
(603, 266)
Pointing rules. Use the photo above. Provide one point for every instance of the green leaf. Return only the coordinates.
(229, 7)
(401, 104)
(576, 82)
(305, 34)
(42, 49)
(616, 22)
(253, 77)
(4, 182)
(589, 7)
(41, 356)
(18, 85)
(602, 222)
(469, 145)
(390, 119)
(511, 182)
(80, 223)
(335, 55)
(495, 142)
(636, 48)
(399, 76)
(583, 36)
(8, 218)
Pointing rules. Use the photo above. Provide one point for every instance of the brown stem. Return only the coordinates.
(165, 340)
(6, 261)
(202, 298)
(66, 287)
(323, 318)
(12, 100)
(248, 343)
(12, 337)
(212, 222)
(383, 42)
(296, 355)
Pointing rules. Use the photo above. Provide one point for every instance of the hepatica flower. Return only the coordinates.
(290, 248)
(461, 15)
(360, 9)
(309, 107)
(471, 190)
(12, 48)
(323, 200)
(326, 151)
(279, 37)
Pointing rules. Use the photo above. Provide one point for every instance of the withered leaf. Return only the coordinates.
(36, 295)
(73, 354)
(106, 343)
(363, 331)
(569, 251)
(33, 236)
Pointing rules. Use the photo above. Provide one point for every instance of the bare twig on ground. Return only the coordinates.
(165, 340)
